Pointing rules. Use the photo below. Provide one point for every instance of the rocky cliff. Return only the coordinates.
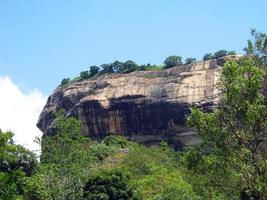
(146, 106)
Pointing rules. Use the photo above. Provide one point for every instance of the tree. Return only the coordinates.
(234, 134)
(231, 53)
(64, 81)
(207, 56)
(84, 75)
(109, 185)
(190, 60)
(257, 47)
(249, 49)
(129, 66)
(15, 157)
(107, 68)
(65, 158)
(143, 67)
(117, 66)
(66, 141)
(18, 167)
(260, 42)
(94, 70)
(219, 54)
(172, 61)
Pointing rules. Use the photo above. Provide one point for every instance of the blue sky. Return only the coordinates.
(42, 42)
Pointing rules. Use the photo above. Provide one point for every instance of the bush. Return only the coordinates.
(181, 191)
(207, 56)
(173, 61)
(129, 66)
(190, 60)
(107, 68)
(64, 81)
(84, 75)
(117, 66)
(17, 167)
(219, 54)
(115, 140)
(109, 185)
(94, 70)
(231, 53)
(101, 151)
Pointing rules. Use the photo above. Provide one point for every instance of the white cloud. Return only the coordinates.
(19, 112)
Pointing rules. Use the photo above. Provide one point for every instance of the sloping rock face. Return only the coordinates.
(146, 106)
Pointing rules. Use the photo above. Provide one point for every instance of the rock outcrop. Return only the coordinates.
(146, 106)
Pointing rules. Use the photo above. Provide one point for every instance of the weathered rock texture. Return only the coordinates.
(147, 106)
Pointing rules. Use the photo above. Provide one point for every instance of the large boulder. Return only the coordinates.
(146, 106)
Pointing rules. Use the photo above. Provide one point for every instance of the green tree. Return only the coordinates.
(65, 159)
(219, 54)
(231, 53)
(260, 42)
(84, 75)
(109, 185)
(143, 67)
(129, 66)
(234, 134)
(18, 167)
(64, 81)
(117, 66)
(172, 61)
(257, 47)
(190, 60)
(207, 56)
(94, 70)
(116, 140)
(66, 143)
(107, 68)
(249, 49)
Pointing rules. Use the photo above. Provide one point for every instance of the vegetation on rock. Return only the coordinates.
(130, 66)
(218, 54)
(230, 163)
(173, 61)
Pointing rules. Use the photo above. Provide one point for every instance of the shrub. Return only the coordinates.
(64, 81)
(172, 61)
(109, 185)
(84, 75)
(177, 191)
(115, 140)
(107, 68)
(129, 66)
(231, 53)
(17, 167)
(207, 56)
(94, 70)
(117, 66)
(190, 60)
(101, 151)
(219, 54)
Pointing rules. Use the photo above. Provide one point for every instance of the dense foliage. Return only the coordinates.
(234, 134)
(19, 177)
(109, 185)
(190, 60)
(173, 61)
(257, 47)
(218, 54)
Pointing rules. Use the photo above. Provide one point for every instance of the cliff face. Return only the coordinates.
(146, 106)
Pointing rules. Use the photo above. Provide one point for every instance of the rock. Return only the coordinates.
(146, 106)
